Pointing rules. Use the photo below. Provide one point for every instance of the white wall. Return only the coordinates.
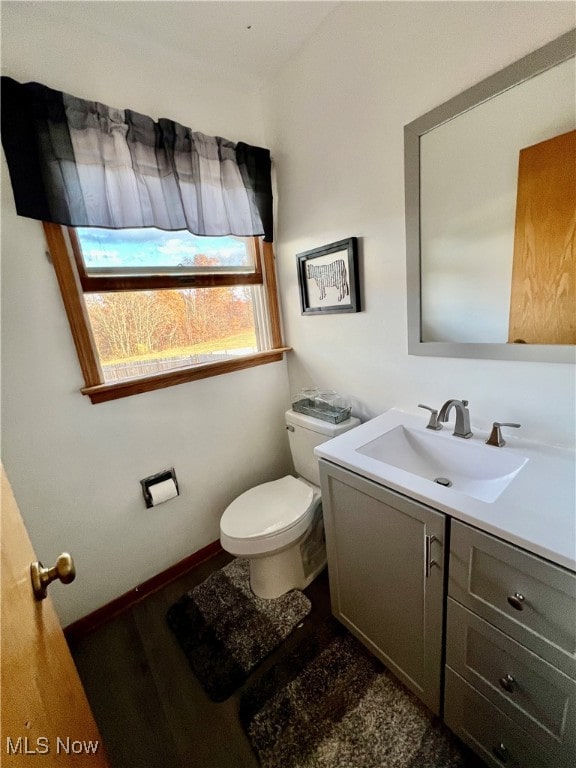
(75, 467)
(336, 115)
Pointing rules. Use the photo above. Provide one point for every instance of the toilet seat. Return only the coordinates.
(268, 517)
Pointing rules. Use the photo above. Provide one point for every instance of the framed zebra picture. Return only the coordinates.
(328, 278)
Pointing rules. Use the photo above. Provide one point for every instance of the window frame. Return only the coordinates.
(74, 282)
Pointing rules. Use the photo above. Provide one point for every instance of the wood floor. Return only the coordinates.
(151, 711)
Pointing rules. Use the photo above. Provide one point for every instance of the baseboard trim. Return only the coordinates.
(79, 629)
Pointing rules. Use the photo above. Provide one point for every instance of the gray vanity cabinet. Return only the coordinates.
(510, 653)
(386, 567)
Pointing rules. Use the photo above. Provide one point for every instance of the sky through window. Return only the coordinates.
(157, 248)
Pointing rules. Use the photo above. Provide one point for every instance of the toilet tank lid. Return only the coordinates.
(267, 508)
(322, 427)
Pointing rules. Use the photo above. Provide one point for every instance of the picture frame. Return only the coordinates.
(328, 278)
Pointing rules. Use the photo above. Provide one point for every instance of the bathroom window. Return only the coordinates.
(149, 308)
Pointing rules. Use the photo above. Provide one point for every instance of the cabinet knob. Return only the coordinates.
(516, 601)
(501, 753)
(507, 682)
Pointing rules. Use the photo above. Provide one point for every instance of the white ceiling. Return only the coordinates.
(244, 39)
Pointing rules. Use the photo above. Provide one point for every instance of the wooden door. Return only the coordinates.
(45, 716)
(543, 295)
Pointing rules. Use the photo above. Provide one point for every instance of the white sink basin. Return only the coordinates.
(522, 493)
(480, 471)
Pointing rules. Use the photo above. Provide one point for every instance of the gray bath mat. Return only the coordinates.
(226, 631)
(331, 704)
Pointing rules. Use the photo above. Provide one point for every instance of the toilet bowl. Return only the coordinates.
(268, 525)
(278, 525)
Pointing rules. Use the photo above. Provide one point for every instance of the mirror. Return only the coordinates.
(468, 169)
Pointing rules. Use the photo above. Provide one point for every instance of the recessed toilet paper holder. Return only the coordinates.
(159, 477)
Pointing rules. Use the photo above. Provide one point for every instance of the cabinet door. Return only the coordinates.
(386, 568)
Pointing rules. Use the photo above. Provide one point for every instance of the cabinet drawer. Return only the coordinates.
(486, 574)
(538, 697)
(490, 733)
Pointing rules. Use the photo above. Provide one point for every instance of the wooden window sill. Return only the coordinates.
(101, 393)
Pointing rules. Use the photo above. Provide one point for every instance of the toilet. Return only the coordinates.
(278, 526)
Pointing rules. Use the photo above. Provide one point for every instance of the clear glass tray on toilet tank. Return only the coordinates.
(321, 410)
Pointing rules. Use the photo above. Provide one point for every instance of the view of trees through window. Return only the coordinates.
(149, 331)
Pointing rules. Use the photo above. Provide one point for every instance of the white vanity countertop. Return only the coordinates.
(537, 511)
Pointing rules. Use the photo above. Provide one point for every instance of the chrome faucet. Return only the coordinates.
(462, 426)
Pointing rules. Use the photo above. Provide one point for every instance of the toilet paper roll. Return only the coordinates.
(163, 491)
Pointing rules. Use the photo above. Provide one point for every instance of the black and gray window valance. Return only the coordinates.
(82, 163)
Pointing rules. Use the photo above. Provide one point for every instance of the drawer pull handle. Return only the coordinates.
(507, 682)
(516, 601)
(501, 753)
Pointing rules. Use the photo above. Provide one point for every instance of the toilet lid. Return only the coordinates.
(267, 509)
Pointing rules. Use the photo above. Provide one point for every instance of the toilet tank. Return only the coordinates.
(305, 433)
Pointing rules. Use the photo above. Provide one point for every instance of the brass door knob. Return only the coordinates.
(64, 570)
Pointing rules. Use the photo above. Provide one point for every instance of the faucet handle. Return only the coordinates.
(433, 423)
(496, 435)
